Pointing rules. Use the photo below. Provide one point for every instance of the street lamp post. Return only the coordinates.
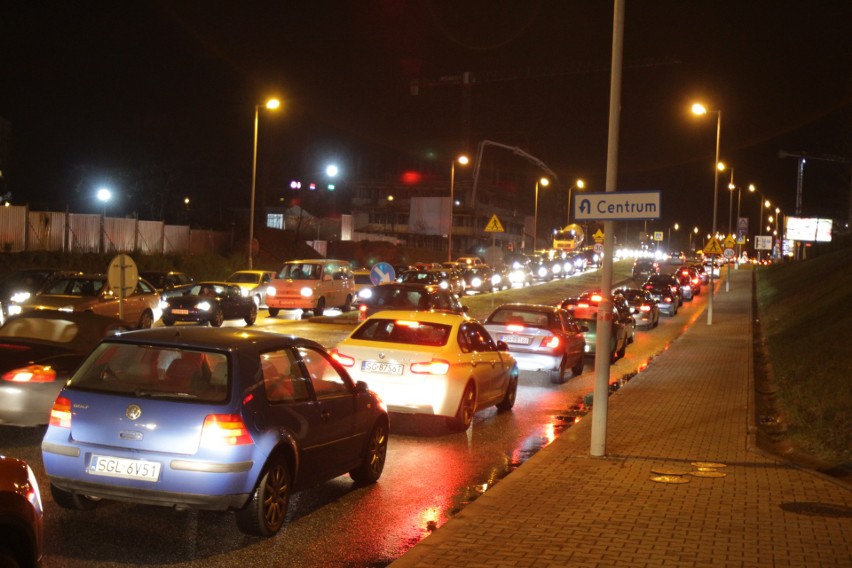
(103, 195)
(701, 109)
(579, 184)
(271, 104)
(694, 232)
(544, 182)
(731, 188)
(462, 160)
(676, 227)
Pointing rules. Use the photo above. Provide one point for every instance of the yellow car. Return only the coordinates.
(435, 363)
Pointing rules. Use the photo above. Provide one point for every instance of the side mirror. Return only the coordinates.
(502, 346)
(584, 328)
(361, 387)
(465, 309)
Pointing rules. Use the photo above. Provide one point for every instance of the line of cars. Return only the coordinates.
(228, 420)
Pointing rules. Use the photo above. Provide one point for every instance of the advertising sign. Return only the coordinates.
(802, 229)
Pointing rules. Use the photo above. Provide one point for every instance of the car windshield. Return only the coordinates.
(301, 271)
(75, 287)
(405, 332)
(526, 318)
(157, 372)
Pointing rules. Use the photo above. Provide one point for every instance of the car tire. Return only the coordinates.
(375, 454)
(168, 322)
(266, 510)
(467, 407)
(218, 318)
(511, 393)
(577, 369)
(73, 501)
(252, 316)
(620, 353)
(320, 307)
(347, 305)
(146, 320)
(557, 376)
(273, 312)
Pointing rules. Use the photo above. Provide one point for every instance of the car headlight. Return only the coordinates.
(163, 305)
(444, 285)
(542, 272)
(66, 309)
(20, 297)
(14, 309)
(306, 292)
(270, 291)
(203, 306)
(365, 294)
(244, 293)
(476, 282)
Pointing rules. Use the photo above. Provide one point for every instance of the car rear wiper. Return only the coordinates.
(160, 394)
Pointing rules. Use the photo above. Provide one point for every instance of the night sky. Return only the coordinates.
(158, 98)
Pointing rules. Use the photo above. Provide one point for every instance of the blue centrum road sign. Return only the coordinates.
(618, 205)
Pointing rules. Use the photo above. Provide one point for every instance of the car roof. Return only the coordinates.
(529, 307)
(218, 338)
(423, 316)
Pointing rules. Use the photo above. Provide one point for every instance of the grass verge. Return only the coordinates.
(805, 318)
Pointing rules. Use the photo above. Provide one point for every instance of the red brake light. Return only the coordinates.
(433, 367)
(644, 308)
(31, 374)
(60, 414)
(344, 360)
(515, 327)
(222, 430)
(583, 305)
(551, 342)
(597, 298)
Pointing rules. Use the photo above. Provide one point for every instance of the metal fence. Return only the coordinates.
(24, 230)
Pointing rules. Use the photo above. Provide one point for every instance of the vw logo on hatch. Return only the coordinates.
(133, 412)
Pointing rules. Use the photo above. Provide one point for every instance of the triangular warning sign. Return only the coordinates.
(730, 241)
(494, 225)
(713, 247)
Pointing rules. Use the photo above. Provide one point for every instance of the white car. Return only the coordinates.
(435, 363)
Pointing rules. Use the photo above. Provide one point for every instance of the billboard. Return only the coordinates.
(807, 229)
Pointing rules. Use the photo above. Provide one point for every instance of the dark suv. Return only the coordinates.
(404, 296)
(644, 267)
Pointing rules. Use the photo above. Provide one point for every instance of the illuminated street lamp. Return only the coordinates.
(579, 184)
(271, 104)
(544, 183)
(463, 161)
(700, 109)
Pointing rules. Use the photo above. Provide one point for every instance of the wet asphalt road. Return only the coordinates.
(431, 474)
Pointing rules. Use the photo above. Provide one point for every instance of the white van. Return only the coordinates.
(312, 286)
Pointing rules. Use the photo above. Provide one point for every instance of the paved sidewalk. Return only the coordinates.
(693, 404)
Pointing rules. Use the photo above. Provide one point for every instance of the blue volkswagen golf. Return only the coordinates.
(215, 419)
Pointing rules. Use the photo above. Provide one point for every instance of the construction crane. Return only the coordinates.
(803, 157)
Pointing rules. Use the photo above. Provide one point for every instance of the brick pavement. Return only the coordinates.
(693, 404)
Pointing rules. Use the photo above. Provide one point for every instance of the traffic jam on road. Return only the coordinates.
(203, 412)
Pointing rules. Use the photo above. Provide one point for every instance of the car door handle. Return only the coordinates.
(325, 415)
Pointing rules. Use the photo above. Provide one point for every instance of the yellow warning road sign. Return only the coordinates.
(494, 225)
(598, 236)
(730, 242)
(713, 247)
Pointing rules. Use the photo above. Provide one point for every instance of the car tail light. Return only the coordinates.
(31, 374)
(597, 298)
(362, 312)
(551, 342)
(644, 308)
(667, 300)
(221, 430)
(695, 280)
(583, 305)
(344, 360)
(433, 367)
(60, 414)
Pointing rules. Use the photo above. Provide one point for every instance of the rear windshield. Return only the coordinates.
(406, 332)
(526, 318)
(161, 372)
